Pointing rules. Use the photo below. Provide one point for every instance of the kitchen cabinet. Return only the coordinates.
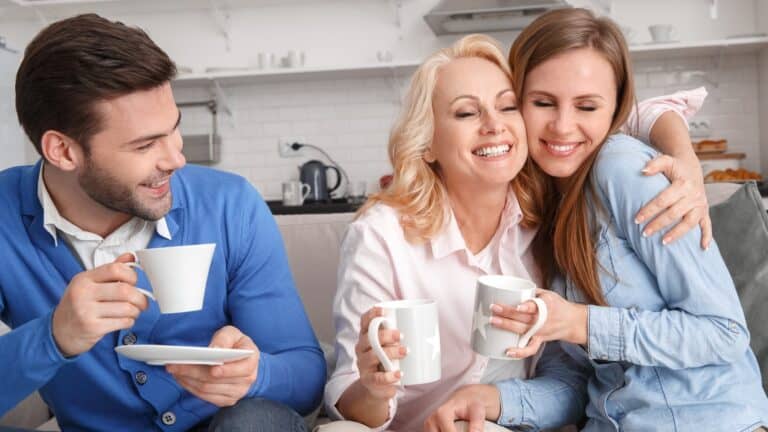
(405, 68)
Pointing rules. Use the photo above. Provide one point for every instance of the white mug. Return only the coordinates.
(178, 275)
(417, 322)
(294, 193)
(491, 341)
(662, 33)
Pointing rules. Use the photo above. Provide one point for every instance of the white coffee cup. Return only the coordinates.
(661, 33)
(178, 275)
(491, 341)
(417, 322)
(294, 193)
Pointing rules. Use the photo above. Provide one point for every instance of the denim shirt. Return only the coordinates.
(671, 351)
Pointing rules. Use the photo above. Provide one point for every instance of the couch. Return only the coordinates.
(312, 244)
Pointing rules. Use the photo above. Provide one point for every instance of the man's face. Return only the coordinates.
(128, 165)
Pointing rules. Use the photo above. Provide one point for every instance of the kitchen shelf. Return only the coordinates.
(250, 76)
(236, 76)
(740, 45)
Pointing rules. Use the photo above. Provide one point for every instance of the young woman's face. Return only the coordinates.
(479, 135)
(568, 104)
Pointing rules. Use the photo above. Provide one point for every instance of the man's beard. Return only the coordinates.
(110, 193)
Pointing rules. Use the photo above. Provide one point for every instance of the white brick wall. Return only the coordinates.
(351, 118)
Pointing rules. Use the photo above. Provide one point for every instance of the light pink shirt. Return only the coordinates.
(377, 264)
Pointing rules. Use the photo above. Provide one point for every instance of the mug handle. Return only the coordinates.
(135, 265)
(305, 191)
(373, 339)
(524, 339)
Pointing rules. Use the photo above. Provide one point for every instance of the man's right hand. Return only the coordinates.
(97, 302)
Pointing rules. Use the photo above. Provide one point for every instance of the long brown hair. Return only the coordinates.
(565, 241)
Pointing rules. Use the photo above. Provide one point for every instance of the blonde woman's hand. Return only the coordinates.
(566, 321)
(473, 403)
(684, 200)
(378, 383)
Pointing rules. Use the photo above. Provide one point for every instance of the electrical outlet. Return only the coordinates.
(284, 146)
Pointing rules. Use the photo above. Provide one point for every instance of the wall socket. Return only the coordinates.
(284, 146)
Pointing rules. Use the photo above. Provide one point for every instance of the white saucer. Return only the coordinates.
(159, 355)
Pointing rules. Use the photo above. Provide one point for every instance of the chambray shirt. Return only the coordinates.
(249, 286)
(671, 351)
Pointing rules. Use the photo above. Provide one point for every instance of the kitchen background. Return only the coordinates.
(341, 87)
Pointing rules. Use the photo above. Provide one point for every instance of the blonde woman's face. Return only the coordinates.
(479, 136)
(568, 105)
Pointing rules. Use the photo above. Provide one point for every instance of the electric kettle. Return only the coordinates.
(314, 173)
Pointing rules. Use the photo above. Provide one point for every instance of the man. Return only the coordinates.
(94, 97)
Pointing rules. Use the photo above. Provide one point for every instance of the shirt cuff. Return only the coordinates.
(51, 347)
(336, 388)
(604, 327)
(262, 376)
(512, 412)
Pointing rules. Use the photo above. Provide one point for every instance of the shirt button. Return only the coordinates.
(129, 339)
(141, 377)
(169, 418)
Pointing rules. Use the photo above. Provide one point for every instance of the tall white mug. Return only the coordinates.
(177, 274)
(491, 341)
(417, 322)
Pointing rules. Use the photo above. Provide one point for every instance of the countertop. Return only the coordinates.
(337, 205)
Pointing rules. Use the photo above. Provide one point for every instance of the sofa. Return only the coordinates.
(312, 245)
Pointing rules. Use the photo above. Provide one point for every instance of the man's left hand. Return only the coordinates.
(222, 385)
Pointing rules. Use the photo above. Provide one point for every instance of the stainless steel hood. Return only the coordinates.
(470, 16)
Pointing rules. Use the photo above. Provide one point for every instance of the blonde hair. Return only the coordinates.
(564, 242)
(417, 191)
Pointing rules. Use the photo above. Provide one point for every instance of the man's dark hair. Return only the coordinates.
(74, 63)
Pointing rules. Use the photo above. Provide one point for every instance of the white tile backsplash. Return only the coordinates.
(351, 118)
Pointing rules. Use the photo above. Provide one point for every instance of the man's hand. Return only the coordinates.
(473, 403)
(222, 385)
(97, 302)
(684, 200)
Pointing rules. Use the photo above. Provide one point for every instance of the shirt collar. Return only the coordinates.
(53, 220)
(449, 239)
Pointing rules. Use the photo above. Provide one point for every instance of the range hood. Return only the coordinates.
(472, 16)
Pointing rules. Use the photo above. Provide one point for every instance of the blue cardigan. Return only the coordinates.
(249, 286)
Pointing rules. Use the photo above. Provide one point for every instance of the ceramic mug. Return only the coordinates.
(661, 33)
(295, 192)
(491, 341)
(417, 322)
(177, 274)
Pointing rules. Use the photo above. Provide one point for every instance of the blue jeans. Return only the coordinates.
(255, 415)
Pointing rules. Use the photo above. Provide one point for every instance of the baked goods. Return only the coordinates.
(729, 174)
(710, 146)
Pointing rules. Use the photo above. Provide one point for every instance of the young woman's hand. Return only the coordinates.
(684, 200)
(566, 321)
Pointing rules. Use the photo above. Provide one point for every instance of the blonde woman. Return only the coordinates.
(448, 217)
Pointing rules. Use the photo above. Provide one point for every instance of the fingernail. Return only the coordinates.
(402, 336)
(645, 233)
(638, 220)
(496, 308)
(645, 171)
(495, 320)
(665, 241)
(521, 308)
(511, 353)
